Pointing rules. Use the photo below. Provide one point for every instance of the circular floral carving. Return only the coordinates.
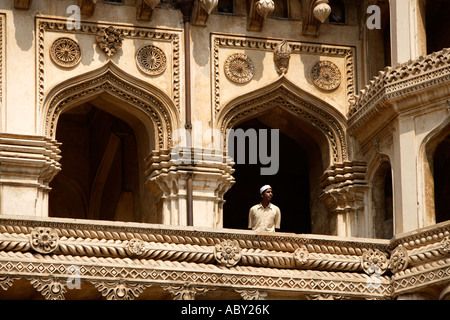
(374, 262)
(399, 259)
(136, 246)
(445, 245)
(301, 254)
(326, 75)
(44, 240)
(227, 253)
(65, 52)
(151, 60)
(239, 68)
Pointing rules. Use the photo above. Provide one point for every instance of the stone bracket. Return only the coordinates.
(87, 7)
(22, 4)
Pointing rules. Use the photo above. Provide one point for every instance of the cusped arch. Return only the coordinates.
(146, 102)
(284, 94)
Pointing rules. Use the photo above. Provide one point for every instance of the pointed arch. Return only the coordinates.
(140, 99)
(285, 95)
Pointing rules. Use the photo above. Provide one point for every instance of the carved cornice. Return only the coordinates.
(28, 160)
(399, 82)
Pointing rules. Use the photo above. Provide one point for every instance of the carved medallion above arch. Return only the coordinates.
(141, 100)
(285, 95)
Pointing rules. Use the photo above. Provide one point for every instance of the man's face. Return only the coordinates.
(267, 194)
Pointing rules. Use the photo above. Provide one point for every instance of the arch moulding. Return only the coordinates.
(146, 102)
(284, 94)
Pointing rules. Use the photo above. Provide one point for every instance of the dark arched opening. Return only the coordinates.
(436, 21)
(303, 155)
(382, 198)
(441, 175)
(100, 168)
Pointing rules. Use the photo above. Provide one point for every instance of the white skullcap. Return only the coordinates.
(264, 188)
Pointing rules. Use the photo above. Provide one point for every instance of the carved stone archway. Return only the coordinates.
(284, 94)
(144, 101)
(325, 127)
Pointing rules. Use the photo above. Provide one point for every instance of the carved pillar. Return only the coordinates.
(211, 177)
(344, 192)
(408, 36)
(27, 165)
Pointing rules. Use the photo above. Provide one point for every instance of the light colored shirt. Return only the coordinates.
(264, 219)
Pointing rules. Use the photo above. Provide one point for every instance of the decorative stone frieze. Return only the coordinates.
(151, 60)
(239, 68)
(110, 40)
(65, 52)
(326, 75)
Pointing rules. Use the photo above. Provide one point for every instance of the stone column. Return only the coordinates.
(27, 165)
(211, 175)
(404, 177)
(408, 36)
(345, 194)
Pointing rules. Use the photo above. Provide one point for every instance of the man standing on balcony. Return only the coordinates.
(264, 216)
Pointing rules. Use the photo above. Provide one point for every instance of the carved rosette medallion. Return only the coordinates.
(326, 75)
(136, 247)
(227, 253)
(44, 240)
(445, 245)
(151, 60)
(239, 68)
(301, 255)
(65, 52)
(374, 262)
(110, 40)
(399, 259)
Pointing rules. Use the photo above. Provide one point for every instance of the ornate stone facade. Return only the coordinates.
(95, 202)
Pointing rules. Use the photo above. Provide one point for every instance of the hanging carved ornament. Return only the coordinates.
(326, 75)
(301, 255)
(374, 262)
(281, 57)
(136, 246)
(151, 60)
(239, 68)
(227, 253)
(399, 259)
(209, 5)
(65, 52)
(44, 240)
(321, 10)
(110, 40)
(265, 7)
